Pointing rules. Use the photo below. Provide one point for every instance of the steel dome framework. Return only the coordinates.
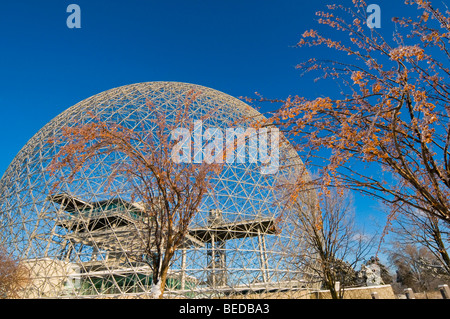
(75, 242)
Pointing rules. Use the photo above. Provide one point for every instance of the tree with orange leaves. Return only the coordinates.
(386, 130)
(169, 192)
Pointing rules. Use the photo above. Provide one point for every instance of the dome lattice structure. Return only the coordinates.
(74, 242)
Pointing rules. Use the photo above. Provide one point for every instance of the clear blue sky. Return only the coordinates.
(235, 46)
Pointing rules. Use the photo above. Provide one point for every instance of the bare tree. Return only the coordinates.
(413, 227)
(13, 276)
(417, 267)
(334, 245)
(169, 192)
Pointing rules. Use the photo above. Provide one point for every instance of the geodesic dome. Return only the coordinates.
(74, 242)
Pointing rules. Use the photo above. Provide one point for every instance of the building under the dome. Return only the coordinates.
(75, 241)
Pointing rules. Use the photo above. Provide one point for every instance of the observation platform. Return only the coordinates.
(232, 230)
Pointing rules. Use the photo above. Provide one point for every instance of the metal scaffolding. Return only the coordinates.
(78, 241)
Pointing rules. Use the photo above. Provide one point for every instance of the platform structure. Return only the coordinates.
(113, 228)
(217, 232)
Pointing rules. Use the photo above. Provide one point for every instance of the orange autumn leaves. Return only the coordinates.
(411, 51)
(390, 108)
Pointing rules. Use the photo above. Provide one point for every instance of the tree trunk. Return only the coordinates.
(330, 283)
(164, 269)
(163, 282)
(442, 251)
